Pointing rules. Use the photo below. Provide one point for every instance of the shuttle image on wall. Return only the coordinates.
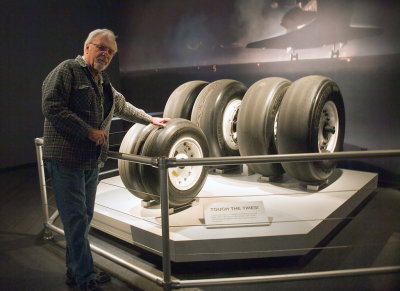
(312, 24)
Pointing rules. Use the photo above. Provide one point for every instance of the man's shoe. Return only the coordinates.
(101, 278)
(91, 285)
(70, 279)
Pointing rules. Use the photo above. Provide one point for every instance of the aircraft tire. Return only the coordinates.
(215, 112)
(257, 120)
(180, 102)
(311, 120)
(132, 143)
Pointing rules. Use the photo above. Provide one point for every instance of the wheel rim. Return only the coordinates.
(328, 128)
(276, 127)
(229, 121)
(184, 178)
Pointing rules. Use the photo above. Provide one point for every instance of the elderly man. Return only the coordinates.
(78, 102)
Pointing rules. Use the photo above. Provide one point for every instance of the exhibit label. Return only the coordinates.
(240, 213)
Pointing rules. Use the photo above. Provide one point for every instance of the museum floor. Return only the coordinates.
(370, 238)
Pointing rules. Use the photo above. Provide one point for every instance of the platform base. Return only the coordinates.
(298, 220)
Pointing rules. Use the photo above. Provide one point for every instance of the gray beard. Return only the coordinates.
(99, 67)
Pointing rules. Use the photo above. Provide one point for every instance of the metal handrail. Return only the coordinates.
(286, 277)
(237, 160)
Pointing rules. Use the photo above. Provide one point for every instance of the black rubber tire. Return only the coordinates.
(302, 124)
(180, 102)
(208, 113)
(132, 143)
(161, 143)
(256, 122)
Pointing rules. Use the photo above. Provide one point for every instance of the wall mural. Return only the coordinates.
(196, 33)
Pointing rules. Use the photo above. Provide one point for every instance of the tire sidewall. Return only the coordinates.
(129, 171)
(256, 120)
(329, 92)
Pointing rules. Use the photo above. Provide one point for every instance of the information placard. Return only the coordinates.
(235, 214)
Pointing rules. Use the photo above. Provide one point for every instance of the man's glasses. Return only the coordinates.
(103, 48)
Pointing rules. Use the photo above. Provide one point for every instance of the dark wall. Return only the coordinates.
(170, 34)
(36, 36)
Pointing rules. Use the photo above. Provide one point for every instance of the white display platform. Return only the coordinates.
(297, 219)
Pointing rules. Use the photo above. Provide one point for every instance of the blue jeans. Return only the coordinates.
(75, 192)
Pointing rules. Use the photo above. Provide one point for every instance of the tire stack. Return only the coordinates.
(280, 117)
(225, 118)
(180, 139)
(214, 110)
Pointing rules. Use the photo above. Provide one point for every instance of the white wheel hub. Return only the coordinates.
(328, 128)
(184, 178)
(229, 128)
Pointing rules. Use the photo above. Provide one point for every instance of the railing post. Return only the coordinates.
(42, 182)
(164, 195)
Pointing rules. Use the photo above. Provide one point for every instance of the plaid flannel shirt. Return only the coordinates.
(72, 104)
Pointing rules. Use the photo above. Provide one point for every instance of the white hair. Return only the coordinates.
(99, 31)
